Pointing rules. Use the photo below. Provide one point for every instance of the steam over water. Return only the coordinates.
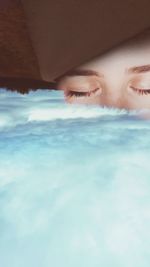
(74, 184)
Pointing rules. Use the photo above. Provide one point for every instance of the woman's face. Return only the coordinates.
(120, 78)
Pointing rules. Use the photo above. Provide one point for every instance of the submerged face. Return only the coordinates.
(120, 78)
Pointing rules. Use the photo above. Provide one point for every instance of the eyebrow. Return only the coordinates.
(85, 72)
(136, 69)
(139, 69)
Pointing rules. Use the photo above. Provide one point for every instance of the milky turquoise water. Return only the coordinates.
(74, 184)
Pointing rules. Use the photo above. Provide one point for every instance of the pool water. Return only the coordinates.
(74, 184)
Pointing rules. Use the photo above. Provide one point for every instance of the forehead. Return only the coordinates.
(133, 52)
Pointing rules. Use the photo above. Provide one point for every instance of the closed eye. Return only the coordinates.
(71, 93)
(76, 94)
(140, 91)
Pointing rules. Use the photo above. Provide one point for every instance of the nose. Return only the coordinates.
(114, 98)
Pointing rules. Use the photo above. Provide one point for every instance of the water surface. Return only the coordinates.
(74, 184)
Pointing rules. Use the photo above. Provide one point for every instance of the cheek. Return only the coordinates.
(84, 100)
(138, 102)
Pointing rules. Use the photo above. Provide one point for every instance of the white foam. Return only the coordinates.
(72, 192)
(68, 112)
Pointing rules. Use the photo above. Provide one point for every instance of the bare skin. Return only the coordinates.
(119, 78)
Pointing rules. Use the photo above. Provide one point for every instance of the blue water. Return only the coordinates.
(74, 184)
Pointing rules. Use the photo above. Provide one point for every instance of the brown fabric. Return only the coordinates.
(17, 58)
(68, 33)
(24, 85)
(44, 39)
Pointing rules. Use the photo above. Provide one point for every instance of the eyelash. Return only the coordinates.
(81, 94)
(140, 91)
(88, 94)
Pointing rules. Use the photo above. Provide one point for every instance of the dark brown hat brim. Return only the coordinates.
(68, 33)
(42, 40)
